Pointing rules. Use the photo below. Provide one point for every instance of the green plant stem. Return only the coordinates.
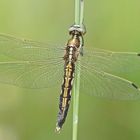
(77, 12)
(78, 21)
(76, 101)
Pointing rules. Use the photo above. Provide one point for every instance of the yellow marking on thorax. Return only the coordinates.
(69, 66)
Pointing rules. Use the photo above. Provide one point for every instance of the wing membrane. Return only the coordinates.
(99, 83)
(31, 74)
(33, 64)
(112, 62)
(21, 49)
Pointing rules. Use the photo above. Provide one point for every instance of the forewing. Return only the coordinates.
(112, 62)
(22, 49)
(31, 64)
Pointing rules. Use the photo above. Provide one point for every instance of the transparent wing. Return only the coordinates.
(112, 62)
(96, 81)
(33, 64)
(22, 49)
(31, 75)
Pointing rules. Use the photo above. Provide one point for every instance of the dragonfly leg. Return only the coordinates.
(82, 46)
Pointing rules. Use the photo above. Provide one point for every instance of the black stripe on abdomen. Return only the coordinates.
(65, 95)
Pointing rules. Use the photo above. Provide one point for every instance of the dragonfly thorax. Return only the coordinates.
(74, 41)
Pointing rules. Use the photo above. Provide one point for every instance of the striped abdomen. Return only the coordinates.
(71, 55)
(65, 95)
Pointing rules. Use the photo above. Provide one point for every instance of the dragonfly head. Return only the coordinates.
(77, 29)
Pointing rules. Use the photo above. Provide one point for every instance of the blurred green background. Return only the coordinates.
(31, 114)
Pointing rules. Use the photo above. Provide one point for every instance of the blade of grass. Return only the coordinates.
(79, 8)
(76, 101)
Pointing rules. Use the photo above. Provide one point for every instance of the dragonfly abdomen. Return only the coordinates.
(67, 84)
(70, 57)
(65, 95)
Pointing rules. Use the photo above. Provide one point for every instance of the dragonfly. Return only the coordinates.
(36, 65)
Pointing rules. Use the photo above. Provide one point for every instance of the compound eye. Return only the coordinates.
(80, 29)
